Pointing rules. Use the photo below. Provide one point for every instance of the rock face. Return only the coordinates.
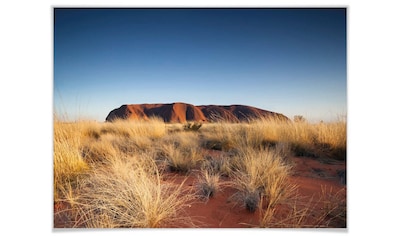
(183, 112)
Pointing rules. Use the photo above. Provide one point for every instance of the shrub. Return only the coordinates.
(299, 119)
(192, 126)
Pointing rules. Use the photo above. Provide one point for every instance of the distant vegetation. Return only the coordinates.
(192, 126)
(299, 118)
(113, 175)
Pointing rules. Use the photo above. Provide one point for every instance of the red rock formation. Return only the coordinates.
(183, 112)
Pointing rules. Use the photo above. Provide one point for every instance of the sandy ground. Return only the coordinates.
(310, 175)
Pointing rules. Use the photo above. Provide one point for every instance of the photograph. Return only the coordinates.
(199, 117)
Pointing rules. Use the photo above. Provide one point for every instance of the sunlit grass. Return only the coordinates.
(130, 193)
(67, 162)
(153, 128)
(326, 210)
(262, 174)
(112, 174)
(302, 138)
(209, 184)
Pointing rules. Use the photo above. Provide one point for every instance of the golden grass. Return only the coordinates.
(302, 138)
(153, 128)
(121, 185)
(302, 213)
(324, 210)
(298, 215)
(208, 184)
(67, 162)
(181, 151)
(111, 174)
(333, 206)
(262, 174)
(319, 140)
(222, 166)
(130, 193)
(219, 136)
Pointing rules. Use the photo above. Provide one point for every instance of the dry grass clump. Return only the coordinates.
(96, 152)
(180, 151)
(180, 159)
(208, 184)
(76, 144)
(69, 165)
(129, 192)
(212, 170)
(262, 174)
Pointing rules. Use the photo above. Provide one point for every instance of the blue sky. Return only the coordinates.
(291, 61)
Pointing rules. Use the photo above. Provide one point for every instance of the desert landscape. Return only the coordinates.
(183, 166)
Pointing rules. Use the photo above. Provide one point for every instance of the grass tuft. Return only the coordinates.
(208, 184)
(130, 193)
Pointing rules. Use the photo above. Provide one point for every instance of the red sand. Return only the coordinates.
(310, 175)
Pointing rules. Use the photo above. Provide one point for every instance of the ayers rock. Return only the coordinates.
(183, 112)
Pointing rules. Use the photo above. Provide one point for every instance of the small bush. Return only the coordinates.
(192, 126)
(299, 119)
(218, 145)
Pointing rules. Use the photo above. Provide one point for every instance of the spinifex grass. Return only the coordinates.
(180, 151)
(304, 139)
(261, 174)
(107, 174)
(129, 192)
(68, 163)
(208, 184)
(153, 128)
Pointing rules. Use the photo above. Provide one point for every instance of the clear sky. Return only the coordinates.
(291, 61)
